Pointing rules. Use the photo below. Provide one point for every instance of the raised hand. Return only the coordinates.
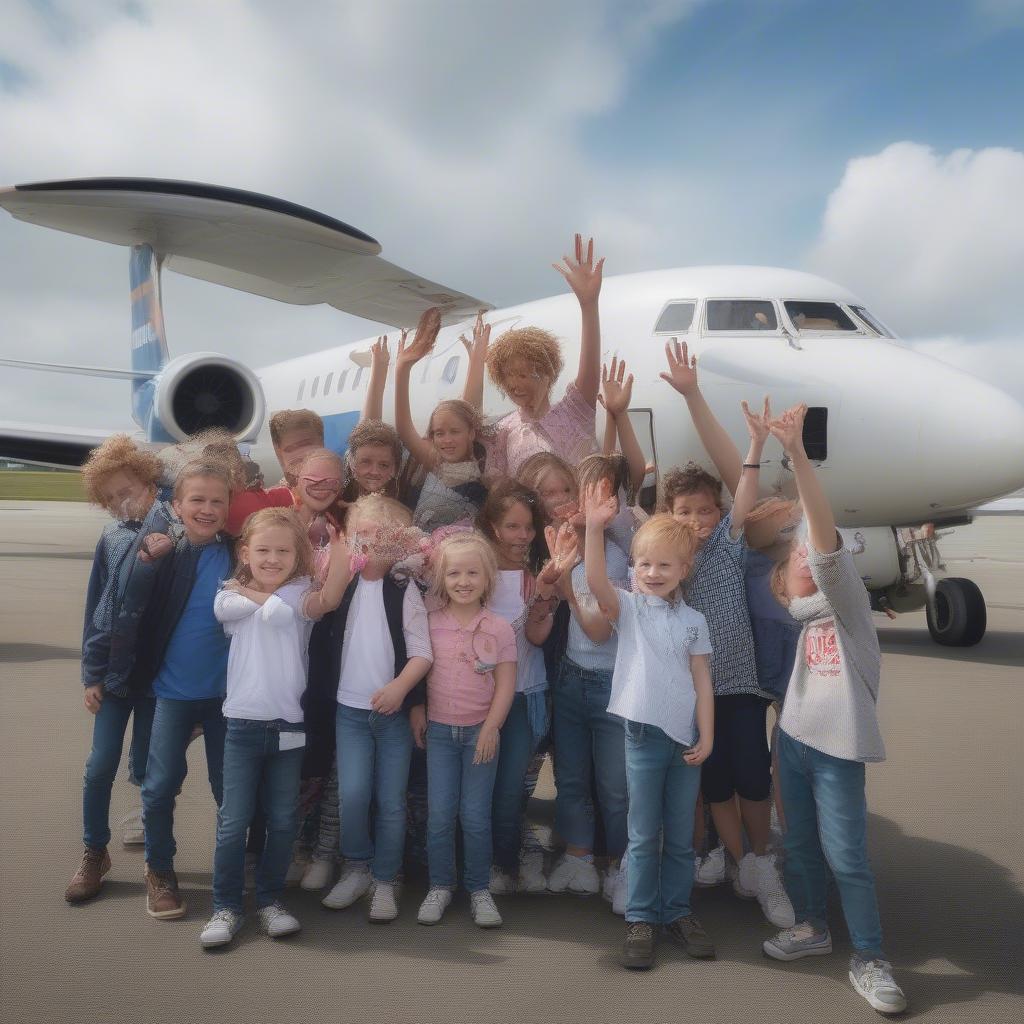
(616, 387)
(410, 352)
(476, 347)
(682, 367)
(600, 505)
(562, 544)
(380, 357)
(789, 429)
(758, 425)
(582, 273)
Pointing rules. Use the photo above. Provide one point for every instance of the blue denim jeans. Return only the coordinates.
(458, 789)
(826, 823)
(373, 753)
(173, 722)
(662, 797)
(508, 803)
(255, 768)
(588, 745)
(108, 729)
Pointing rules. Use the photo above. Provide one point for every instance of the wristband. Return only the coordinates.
(751, 465)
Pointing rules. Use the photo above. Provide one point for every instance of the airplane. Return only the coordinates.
(905, 445)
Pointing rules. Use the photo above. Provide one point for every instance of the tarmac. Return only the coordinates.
(945, 837)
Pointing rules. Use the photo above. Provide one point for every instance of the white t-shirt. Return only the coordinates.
(652, 682)
(269, 652)
(367, 653)
(507, 603)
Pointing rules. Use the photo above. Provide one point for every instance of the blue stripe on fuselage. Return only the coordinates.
(337, 427)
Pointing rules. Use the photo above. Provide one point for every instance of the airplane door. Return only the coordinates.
(643, 424)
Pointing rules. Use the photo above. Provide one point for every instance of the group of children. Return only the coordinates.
(431, 614)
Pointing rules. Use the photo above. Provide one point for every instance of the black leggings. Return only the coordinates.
(740, 761)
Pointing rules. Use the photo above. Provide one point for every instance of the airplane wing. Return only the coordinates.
(60, 447)
(242, 240)
(1011, 505)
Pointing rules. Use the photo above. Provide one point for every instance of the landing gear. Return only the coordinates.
(956, 614)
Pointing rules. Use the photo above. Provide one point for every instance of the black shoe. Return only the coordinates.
(638, 949)
(689, 933)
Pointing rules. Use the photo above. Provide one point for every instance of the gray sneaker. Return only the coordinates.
(797, 942)
(689, 933)
(873, 980)
(276, 921)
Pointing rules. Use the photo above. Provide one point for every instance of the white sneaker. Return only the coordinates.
(710, 869)
(771, 893)
(134, 833)
(485, 913)
(354, 883)
(221, 928)
(317, 874)
(608, 883)
(531, 872)
(295, 871)
(276, 921)
(744, 878)
(384, 903)
(434, 905)
(252, 862)
(874, 981)
(619, 891)
(501, 883)
(575, 875)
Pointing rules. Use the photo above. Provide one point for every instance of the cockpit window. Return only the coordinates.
(819, 316)
(741, 315)
(876, 325)
(675, 318)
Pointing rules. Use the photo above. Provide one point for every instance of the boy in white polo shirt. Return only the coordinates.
(661, 686)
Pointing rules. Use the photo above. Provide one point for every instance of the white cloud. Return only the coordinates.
(1000, 361)
(935, 242)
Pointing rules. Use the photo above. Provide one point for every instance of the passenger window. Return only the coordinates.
(357, 378)
(316, 387)
(451, 368)
(741, 315)
(819, 316)
(302, 388)
(341, 380)
(327, 382)
(876, 325)
(675, 318)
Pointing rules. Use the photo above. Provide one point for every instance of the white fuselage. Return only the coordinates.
(909, 438)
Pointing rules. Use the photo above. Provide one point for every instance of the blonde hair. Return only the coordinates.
(381, 509)
(463, 542)
(266, 519)
(287, 420)
(777, 582)
(537, 347)
(457, 407)
(757, 525)
(662, 530)
(201, 467)
(325, 455)
(118, 453)
(535, 470)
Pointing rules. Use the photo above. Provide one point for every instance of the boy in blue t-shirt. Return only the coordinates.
(166, 631)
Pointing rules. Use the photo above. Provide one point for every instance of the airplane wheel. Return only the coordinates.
(958, 617)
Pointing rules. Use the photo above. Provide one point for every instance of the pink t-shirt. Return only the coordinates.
(568, 428)
(457, 693)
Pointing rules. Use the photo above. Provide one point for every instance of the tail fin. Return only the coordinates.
(149, 339)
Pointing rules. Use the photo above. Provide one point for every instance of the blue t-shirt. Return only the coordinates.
(195, 665)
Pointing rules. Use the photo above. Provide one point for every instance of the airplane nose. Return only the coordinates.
(972, 438)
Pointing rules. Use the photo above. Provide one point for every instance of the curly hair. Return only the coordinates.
(539, 349)
(266, 519)
(118, 453)
(497, 504)
(367, 432)
(691, 479)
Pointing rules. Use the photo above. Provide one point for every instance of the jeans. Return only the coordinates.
(662, 797)
(255, 767)
(108, 729)
(373, 752)
(165, 770)
(507, 805)
(588, 743)
(457, 788)
(826, 822)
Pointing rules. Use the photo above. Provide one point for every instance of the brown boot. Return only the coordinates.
(89, 877)
(162, 898)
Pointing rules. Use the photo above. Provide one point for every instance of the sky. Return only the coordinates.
(878, 143)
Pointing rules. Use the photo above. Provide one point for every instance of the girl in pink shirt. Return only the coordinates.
(469, 692)
(524, 364)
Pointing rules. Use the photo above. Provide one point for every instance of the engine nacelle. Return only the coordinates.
(875, 554)
(203, 390)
